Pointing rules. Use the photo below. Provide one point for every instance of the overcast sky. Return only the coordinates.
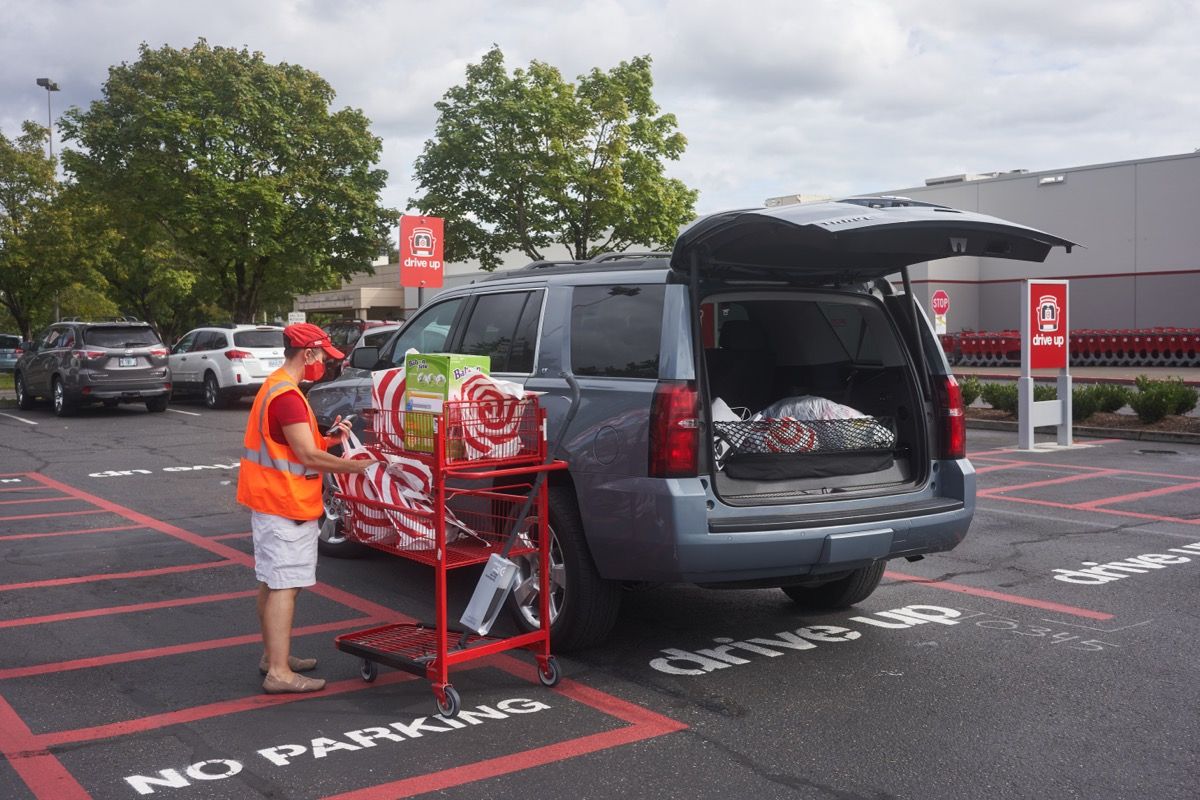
(780, 97)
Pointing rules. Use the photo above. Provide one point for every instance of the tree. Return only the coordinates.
(43, 256)
(524, 161)
(228, 178)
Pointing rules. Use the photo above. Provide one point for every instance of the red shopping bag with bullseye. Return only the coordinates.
(368, 523)
(490, 415)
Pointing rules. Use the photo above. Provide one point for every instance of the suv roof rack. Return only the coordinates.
(610, 262)
(101, 320)
(548, 264)
(604, 257)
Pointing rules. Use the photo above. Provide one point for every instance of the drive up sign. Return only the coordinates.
(421, 251)
(1044, 345)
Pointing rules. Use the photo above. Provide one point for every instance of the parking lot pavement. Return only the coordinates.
(1051, 655)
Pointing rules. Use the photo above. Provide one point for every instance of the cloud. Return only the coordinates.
(775, 97)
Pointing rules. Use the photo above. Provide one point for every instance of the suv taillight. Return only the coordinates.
(88, 354)
(674, 430)
(158, 352)
(237, 355)
(952, 419)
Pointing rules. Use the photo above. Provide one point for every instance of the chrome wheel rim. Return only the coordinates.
(333, 510)
(20, 387)
(527, 594)
(59, 397)
(210, 392)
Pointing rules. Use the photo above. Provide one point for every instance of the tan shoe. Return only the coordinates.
(294, 664)
(297, 684)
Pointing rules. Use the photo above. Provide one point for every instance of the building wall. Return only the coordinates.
(1139, 226)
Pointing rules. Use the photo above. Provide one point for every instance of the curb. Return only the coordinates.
(1096, 433)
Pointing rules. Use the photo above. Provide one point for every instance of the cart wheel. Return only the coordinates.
(550, 674)
(450, 706)
(369, 671)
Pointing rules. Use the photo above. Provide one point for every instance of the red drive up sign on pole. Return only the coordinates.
(421, 252)
(1048, 331)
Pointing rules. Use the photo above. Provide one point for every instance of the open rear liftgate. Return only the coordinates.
(462, 525)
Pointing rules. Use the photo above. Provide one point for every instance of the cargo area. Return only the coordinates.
(809, 393)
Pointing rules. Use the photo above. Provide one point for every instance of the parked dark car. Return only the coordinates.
(73, 363)
(345, 333)
(764, 310)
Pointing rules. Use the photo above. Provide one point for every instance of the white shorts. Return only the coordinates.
(285, 554)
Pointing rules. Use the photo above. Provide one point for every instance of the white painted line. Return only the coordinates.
(19, 419)
(189, 413)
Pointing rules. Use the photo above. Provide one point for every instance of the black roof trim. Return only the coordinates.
(605, 262)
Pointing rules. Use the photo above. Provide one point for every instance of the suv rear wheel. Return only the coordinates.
(63, 405)
(158, 404)
(841, 593)
(583, 606)
(213, 397)
(24, 398)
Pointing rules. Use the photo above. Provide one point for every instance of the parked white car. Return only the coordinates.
(224, 362)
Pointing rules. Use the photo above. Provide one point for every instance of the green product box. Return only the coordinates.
(430, 379)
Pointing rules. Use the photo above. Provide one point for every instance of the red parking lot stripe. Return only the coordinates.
(70, 532)
(114, 576)
(1045, 605)
(1128, 498)
(1048, 482)
(57, 513)
(129, 609)
(177, 649)
(44, 774)
(35, 500)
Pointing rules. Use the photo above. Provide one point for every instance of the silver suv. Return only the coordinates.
(75, 363)
(760, 408)
(223, 362)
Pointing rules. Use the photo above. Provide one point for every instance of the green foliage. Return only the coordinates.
(970, 388)
(529, 160)
(1152, 403)
(1109, 397)
(1043, 391)
(1085, 401)
(1000, 396)
(1157, 399)
(228, 182)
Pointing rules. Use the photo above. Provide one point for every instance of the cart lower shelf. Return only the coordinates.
(413, 647)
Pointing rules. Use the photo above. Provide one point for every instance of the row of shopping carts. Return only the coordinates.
(1143, 347)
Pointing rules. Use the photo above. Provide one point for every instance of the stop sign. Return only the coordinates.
(940, 302)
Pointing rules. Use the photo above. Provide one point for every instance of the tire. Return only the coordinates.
(158, 404)
(64, 406)
(213, 396)
(584, 606)
(332, 541)
(842, 593)
(24, 398)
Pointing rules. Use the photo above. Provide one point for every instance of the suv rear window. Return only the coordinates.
(120, 337)
(615, 330)
(258, 338)
(9, 342)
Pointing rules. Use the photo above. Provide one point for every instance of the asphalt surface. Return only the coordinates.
(128, 649)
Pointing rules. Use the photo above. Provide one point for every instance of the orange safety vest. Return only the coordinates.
(271, 478)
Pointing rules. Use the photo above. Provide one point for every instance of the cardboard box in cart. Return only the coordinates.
(430, 379)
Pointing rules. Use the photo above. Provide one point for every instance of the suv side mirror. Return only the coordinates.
(364, 357)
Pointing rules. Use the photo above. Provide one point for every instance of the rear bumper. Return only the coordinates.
(667, 533)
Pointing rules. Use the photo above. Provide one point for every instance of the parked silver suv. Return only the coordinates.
(760, 408)
(74, 363)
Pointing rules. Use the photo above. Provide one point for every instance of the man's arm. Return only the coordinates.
(299, 438)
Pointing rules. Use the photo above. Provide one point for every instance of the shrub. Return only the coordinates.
(1109, 397)
(1152, 403)
(970, 387)
(1183, 397)
(1042, 392)
(1084, 402)
(1000, 396)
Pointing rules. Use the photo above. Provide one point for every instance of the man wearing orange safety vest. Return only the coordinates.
(280, 481)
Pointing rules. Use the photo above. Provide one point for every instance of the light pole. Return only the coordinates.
(49, 86)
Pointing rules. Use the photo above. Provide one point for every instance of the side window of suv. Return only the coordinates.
(184, 345)
(428, 332)
(615, 330)
(503, 326)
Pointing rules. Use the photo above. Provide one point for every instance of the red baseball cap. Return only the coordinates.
(305, 334)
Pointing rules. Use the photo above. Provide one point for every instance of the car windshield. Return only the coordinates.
(258, 338)
(120, 337)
